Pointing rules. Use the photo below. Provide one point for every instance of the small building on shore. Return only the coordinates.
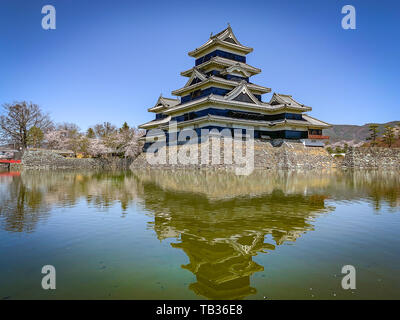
(219, 94)
(7, 153)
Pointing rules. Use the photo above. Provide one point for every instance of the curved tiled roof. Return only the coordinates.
(164, 103)
(155, 123)
(226, 38)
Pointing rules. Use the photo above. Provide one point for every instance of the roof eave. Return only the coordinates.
(213, 79)
(197, 52)
(251, 69)
(154, 123)
(270, 124)
(224, 102)
(156, 109)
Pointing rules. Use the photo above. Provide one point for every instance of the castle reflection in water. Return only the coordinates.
(220, 221)
(225, 223)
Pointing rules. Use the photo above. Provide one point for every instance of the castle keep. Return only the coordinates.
(219, 95)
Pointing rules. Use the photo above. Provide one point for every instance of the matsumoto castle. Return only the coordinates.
(220, 95)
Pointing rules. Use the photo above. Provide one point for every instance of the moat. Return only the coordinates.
(195, 235)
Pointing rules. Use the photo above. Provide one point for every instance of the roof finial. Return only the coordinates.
(211, 34)
(229, 25)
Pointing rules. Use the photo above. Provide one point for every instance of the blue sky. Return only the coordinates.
(110, 60)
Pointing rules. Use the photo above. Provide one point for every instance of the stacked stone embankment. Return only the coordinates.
(289, 155)
(372, 158)
(45, 159)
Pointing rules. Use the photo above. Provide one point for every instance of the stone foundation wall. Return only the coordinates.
(372, 158)
(289, 155)
(50, 160)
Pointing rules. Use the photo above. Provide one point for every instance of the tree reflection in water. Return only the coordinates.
(28, 198)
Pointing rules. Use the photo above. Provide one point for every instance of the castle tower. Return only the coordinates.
(219, 94)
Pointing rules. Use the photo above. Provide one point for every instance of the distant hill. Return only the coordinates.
(348, 132)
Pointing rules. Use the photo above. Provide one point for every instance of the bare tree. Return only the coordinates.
(71, 129)
(18, 118)
(104, 130)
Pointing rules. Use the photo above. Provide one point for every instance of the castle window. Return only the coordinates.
(222, 54)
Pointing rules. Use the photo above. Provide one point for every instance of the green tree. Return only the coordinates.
(35, 137)
(125, 127)
(338, 149)
(90, 133)
(388, 135)
(83, 145)
(398, 130)
(329, 149)
(373, 129)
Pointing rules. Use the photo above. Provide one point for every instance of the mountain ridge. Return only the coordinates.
(354, 133)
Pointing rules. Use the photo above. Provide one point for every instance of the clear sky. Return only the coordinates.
(110, 60)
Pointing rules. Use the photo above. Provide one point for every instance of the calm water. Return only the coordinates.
(159, 235)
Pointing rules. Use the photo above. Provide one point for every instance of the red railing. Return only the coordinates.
(315, 136)
(9, 161)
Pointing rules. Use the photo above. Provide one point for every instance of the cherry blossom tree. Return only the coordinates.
(97, 147)
(122, 142)
(56, 139)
